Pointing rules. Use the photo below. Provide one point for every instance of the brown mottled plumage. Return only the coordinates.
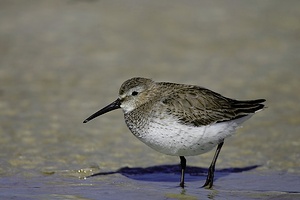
(178, 119)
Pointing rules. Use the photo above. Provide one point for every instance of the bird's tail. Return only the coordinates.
(249, 106)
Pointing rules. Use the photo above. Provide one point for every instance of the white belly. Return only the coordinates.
(170, 137)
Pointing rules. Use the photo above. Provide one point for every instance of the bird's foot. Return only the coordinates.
(181, 184)
(208, 183)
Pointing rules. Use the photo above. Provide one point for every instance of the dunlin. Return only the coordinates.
(180, 120)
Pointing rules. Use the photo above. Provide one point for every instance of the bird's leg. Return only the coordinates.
(183, 166)
(211, 169)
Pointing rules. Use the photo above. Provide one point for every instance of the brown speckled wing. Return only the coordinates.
(198, 106)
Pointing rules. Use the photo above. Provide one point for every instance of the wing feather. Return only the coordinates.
(200, 106)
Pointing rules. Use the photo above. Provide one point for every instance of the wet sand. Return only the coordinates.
(60, 61)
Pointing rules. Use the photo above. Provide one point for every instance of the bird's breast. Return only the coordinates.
(167, 135)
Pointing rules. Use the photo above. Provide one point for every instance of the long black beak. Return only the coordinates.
(114, 105)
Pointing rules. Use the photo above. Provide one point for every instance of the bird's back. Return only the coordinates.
(199, 106)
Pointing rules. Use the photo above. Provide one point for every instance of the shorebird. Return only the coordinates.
(180, 120)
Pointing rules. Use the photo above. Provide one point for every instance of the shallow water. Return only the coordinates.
(60, 61)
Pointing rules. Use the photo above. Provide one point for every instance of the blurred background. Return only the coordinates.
(62, 60)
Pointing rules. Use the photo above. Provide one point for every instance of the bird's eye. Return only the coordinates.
(134, 93)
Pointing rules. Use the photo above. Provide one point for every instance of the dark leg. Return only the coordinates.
(183, 165)
(211, 169)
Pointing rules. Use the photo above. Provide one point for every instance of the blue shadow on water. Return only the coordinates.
(166, 173)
